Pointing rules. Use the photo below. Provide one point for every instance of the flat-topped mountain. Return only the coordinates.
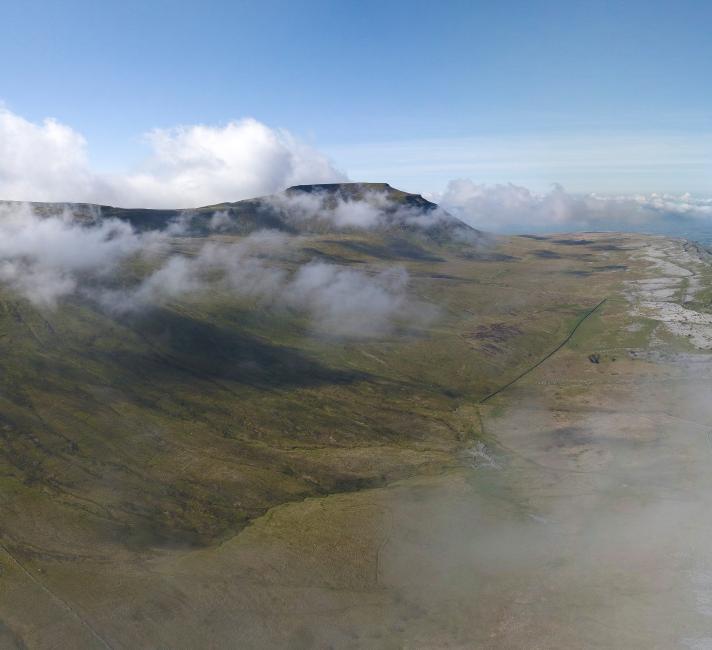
(361, 191)
(316, 208)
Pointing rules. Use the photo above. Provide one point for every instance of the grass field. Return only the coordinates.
(137, 438)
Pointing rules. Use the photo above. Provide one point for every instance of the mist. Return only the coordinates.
(48, 258)
(370, 209)
(43, 258)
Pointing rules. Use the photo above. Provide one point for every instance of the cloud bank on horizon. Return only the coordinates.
(512, 208)
(196, 165)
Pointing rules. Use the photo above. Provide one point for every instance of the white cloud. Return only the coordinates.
(43, 162)
(200, 165)
(350, 303)
(247, 268)
(512, 208)
(366, 212)
(189, 165)
(370, 208)
(339, 301)
(48, 258)
(43, 258)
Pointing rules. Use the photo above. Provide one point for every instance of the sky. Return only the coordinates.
(604, 97)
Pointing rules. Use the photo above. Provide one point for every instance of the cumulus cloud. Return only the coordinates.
(512, 208)
(43, 162)
(200, 165)
(189, 166)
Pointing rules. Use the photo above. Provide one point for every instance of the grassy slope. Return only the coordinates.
(125, 440)
(178, 426)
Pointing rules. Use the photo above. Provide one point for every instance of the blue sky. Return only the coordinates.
(600, 96)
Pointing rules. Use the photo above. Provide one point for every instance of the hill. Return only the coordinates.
(300, 209)
(211, 432)
(197, 372)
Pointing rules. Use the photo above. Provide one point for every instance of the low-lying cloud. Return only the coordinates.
(330, 209)
(512, 208)
(349, 302)
(338, 301)
(48, 258)
(369, 208)
(189, 166)
(368, 211)
(44, 258)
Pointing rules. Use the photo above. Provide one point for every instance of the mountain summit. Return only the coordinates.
(361, 191)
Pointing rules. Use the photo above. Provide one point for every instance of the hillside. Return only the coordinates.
(301, 209)
(207, 429)
(177, 422)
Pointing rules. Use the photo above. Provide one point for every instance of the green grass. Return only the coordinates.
(178, 426)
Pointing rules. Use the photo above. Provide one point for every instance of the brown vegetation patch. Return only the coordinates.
(490, 338)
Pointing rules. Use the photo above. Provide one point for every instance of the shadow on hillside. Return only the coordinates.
(547, 255)
(181, 344)
(487, 256)
(390, 250)
(574, 242)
